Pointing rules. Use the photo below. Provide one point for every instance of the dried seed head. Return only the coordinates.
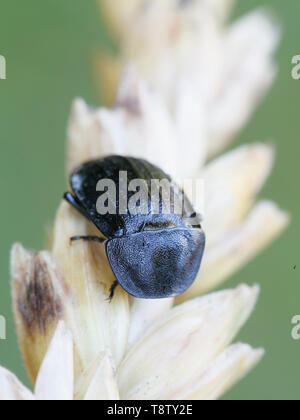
(37, 302)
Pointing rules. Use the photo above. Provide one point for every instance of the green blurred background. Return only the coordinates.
(48, 46)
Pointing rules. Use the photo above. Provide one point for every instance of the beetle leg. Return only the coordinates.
(88, 239)
(112, 290)
(197, 217)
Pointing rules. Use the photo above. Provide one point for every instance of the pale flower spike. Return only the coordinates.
(175, 106)
(228, 66)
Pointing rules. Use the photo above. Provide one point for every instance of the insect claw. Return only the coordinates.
(112, 291)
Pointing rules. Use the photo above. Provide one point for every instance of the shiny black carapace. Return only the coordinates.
(153, 256)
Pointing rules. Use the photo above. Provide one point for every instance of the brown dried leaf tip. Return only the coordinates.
(37, 303)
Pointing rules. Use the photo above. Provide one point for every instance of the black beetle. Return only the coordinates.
(152, 256)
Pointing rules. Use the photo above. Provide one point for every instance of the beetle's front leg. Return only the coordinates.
(88, 239)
